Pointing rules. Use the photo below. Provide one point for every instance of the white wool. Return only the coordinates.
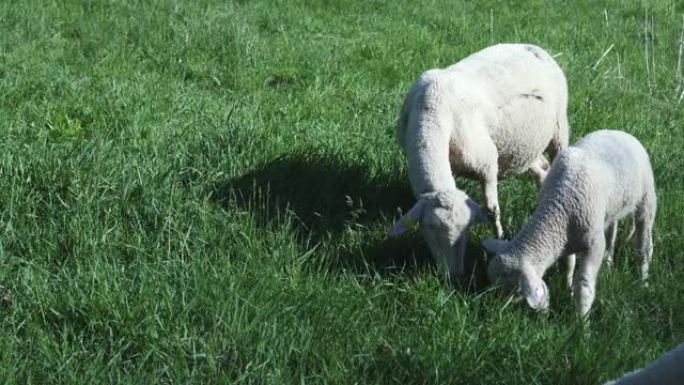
(591, 185)
(489, 116)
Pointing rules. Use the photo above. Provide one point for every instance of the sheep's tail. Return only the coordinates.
(561, 137)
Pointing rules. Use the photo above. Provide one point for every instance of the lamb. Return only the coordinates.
(489, 116)
(667, 370)
(591, 185)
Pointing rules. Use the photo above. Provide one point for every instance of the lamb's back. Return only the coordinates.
(607, 171)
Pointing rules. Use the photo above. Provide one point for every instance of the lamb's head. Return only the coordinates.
(443, 218)
(514, 276)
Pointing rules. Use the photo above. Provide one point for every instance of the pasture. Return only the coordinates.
(198, 192)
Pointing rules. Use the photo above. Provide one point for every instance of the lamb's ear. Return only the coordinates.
(494, 245)
(477, 214)
(409, 220)
(535, 291)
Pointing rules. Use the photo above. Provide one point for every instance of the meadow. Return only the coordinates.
(199, 192)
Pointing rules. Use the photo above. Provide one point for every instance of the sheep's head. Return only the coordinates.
(514, 277)
(444, 219)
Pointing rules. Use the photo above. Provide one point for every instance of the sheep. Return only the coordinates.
(489, 116)
(667, 370)
(591, 185)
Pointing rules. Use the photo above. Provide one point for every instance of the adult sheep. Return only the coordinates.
(489, 116)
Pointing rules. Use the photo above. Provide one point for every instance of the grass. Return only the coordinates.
(199, 192)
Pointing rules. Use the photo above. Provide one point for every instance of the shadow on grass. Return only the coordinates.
(324, 192)
(327, 195)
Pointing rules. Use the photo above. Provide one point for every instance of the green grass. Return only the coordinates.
(199, 192)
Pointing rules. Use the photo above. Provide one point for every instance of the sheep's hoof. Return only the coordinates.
(499, 232)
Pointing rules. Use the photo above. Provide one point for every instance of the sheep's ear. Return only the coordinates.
(494, 245)
(409, 221)
(535, 291)
(477, 215)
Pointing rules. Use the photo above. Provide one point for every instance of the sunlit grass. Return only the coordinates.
(199, 192)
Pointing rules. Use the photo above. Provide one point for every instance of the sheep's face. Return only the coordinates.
(513, 279)
(498, 271)
(444, 224)
(444, 219)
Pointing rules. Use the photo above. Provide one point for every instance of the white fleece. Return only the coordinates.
(489, 116)
(591, 185)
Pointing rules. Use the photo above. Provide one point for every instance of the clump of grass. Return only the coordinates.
(198, 192)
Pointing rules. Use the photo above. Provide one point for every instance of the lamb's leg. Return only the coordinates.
(611, 234)
(644, 218)
(570, 260)
(585, 281)
(491, 201)
(644, 241)
(539, 168)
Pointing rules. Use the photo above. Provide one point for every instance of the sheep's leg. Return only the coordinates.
(492, 203)
(611, 234)
(632, 226)
(644, 219)
(644, 241)
(570, 260)
(585, 281)
(539, 168)
(483, 161)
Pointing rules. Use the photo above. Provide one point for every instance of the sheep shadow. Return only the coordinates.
(325, 195)
(323, 191)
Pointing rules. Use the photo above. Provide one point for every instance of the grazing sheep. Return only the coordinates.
(592, 184)
(489, 116)
(667, 370)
